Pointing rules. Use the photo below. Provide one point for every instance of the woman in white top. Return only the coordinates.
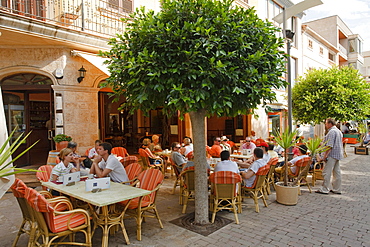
(187, 148)
(65, 166)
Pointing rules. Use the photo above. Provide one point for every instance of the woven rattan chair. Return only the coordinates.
(57, 220)
(317, 172)
(146, 164)
(120, 151)
(225, 192)
(270, 180)
(187, 187)
(256, 190)
(301, 164)
(44, 173)
(132, 170)
(138, 207)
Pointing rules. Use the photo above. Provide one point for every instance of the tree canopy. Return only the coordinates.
(202, 57)
(194, 55)
(339, 93)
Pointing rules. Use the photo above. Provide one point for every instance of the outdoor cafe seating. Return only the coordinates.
(225, 193)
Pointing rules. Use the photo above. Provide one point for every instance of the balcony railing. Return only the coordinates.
(93, 16)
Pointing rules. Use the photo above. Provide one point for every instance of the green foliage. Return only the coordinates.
(339, 93)
(286, 140)
(196, 54)
(5, 167)
(316, 146)
(62, 137)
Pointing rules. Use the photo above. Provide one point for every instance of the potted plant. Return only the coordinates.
(286, 193)
(362, 149)
(6, 151)
(61, 141)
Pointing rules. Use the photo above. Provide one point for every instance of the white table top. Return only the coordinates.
(116, 193)
(240, 156)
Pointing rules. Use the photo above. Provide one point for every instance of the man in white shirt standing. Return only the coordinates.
(106, 164)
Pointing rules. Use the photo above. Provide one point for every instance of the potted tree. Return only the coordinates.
(286, 192)
(61, 141)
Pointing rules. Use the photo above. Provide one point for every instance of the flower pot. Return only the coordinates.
(287, 195)
(60, 145)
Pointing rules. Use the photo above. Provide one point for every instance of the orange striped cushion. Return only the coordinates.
(45, 175)
(37, 201)
(129, 160)
(19, 188)
(58, 223)
(225, 177)
(133, 170)
(264, 170)
(120, 151)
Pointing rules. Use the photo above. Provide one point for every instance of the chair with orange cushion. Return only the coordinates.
(151, 180)
(129, 160)
(187, 187)
(146, 163)
(256, 190)
(177, 181)
(87, 151)
(301, 165)
(19, 191)
(44, 173)
(225, 192)
(54, 223)
(133, 170)
(119, 151)
(270, 180)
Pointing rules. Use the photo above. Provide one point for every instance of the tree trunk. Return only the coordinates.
(201, 181)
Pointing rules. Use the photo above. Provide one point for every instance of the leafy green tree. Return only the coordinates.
(340, 93)
(202, 57)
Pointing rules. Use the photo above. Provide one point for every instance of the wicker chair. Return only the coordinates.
(225, 192)
(270, 180)
(317, 172)
(133, 170)
(44, 173)
(55, 222)
(120, 151)
(145, 161)
(256, 190)
(187, 187)
(151, 180)
(301, 164)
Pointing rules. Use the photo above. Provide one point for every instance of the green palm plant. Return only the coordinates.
(7, 150)
(286, 141)
(362, 130)
(315, 146)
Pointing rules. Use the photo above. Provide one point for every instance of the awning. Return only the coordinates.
(95, 60)
(277, 106)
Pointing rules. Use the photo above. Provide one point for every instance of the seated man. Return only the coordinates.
(190, 163)
(249, 175)
(248, 144)
(302, 150)
(216, 149)
(177, 157)
(226, 164)
(265, 157)
(106, 164)
(92, 152)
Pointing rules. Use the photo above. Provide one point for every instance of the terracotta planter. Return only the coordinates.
(60, 145)
(287, 195)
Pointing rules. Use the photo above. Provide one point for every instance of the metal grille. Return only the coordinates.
(93, 16)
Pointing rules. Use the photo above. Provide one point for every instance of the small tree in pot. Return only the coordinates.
(61, 141)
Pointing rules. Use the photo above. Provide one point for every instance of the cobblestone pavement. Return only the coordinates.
(317, 220)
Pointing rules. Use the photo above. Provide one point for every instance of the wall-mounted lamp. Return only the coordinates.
(289, 34)
(82, 71)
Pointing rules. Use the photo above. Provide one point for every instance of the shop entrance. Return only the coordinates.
(28, 106)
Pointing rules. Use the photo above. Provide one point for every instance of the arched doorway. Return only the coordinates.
(28, 105)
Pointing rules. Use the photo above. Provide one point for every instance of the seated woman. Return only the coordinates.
(155, 146)
(151, 156)
(65, 166)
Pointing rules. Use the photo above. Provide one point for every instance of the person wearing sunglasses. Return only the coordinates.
(177, 157)
(216, 149)
(248, 144)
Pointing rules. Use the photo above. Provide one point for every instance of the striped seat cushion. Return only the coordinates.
(120, 151)
(19, 188)
(225, 177)
(45, 173)
(133, 170)
(135, 202)
(264, 170)
(126, 161)
(56, 223)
